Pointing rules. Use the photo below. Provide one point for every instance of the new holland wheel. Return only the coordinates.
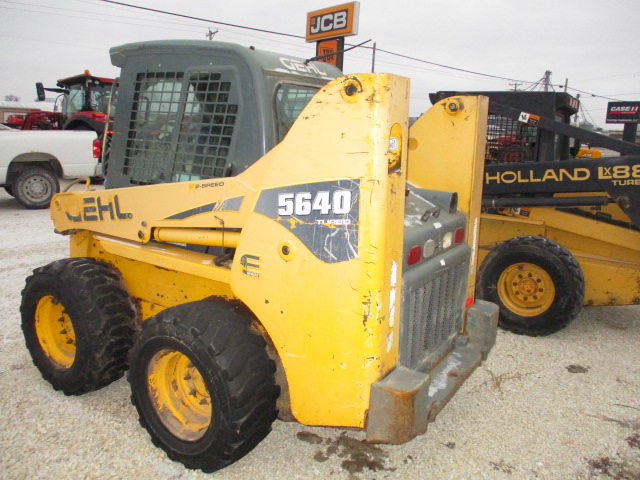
(78, 324)
(537, 284)
(203, 384)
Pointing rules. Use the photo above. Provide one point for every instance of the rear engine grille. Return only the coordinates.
(432, 318)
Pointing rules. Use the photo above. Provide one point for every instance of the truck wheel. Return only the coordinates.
(34, 187)
(537, 284)
(78, 324)
(203, 384)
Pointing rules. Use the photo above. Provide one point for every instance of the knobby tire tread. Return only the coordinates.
(574, 297)
(106, 312)
(244, 367)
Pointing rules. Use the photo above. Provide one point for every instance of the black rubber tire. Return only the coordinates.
(235, 368)
(558, 263)
(101, 313)
(34, 187)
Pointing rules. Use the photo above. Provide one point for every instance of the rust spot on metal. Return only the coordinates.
(367, 309)
(165, 269)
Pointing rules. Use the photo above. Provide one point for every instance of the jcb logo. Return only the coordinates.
(338, 21)
(329, 22)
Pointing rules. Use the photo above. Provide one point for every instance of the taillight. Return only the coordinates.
(458, 237)
(414, 255)
(97, 148)
(469, 302)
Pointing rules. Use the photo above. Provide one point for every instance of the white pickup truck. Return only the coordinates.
(32, 162)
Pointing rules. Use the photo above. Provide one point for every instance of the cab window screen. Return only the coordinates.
(290, 101)
(509, 141)
(206, 130)
(181, 127)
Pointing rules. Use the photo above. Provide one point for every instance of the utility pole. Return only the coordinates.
(547, 80)
(515, 85)
(211, 34)
(373, 59)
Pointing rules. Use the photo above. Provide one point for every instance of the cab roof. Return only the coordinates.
(82, 78)
(268, 61)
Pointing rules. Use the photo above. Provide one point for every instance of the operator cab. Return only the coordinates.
(86, 94)
(520, 140)
(191, 110)
(84, 101)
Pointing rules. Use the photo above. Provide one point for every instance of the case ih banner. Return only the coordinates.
(623, 112)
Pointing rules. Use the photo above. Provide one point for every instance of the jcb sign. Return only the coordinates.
(338, 21)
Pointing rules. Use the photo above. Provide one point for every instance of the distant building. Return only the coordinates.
(17, 109)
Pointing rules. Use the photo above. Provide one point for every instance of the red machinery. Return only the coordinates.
(85, 99)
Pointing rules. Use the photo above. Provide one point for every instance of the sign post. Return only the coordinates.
(627, 113)
(328, 27)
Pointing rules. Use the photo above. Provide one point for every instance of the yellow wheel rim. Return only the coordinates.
(526, 289)
(179, 395)
(55, 332)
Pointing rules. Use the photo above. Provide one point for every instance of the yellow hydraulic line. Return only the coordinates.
(195, 236)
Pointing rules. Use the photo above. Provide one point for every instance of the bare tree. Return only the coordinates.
(11, 98)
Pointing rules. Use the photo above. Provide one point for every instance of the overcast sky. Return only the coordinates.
(592, 43)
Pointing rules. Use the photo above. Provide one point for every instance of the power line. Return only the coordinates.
(472, 72)
(451, 68)
(300, 36)
(96, 19)
(594, 95)
(25, 4)
(202, 19)
(531, 86)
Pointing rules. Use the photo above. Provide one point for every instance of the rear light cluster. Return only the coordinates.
(97, 148)
(430, 246)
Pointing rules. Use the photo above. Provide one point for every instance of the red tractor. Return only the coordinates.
(85, 100)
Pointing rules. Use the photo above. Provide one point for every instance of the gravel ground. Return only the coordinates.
(560, 407)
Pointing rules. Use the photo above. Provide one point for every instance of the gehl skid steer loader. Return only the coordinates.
(307, 279)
